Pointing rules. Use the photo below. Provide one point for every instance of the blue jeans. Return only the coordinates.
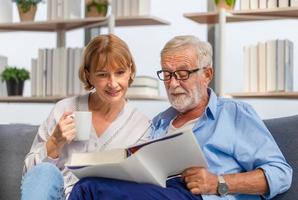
(43, 182)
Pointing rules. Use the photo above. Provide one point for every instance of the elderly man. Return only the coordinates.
(244, 161)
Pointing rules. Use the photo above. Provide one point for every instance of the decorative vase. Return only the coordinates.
(226, 4)
(28, 15)
(96, 8)
(14, 88)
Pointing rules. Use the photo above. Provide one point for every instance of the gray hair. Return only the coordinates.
(203, 49)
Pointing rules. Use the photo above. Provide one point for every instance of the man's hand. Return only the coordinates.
(199, 181)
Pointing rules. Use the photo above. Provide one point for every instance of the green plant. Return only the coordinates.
(14, 73)
(228, 2)
(26, 4)
(101, 6)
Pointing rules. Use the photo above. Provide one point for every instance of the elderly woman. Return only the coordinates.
(107, 71)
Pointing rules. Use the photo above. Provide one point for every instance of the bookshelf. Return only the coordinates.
(277, 95)
(61, 27)
(223, 17)
(54, 99)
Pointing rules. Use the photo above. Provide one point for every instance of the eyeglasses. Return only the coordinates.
(182, 74)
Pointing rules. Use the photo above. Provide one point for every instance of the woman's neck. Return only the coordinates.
(105, 109)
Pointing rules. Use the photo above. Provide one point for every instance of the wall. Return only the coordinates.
(146, 42)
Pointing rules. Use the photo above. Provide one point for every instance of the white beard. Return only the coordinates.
(186, 100)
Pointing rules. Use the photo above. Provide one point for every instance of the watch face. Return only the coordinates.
(223, 189)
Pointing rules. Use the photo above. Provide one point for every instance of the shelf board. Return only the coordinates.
(273, 95)
(71, 24)
(244, 15)
(54, 99)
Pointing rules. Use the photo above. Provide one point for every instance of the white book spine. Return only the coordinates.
(289, 68)
(262, 4)
(126, 8)
(254, 4)
(283, 3)
(262, 67)
(272, 4)
(144, 7)
(6, 11)
(254, 72)
(33, 77)
(114, 7)
(244, 5)
(294, 3)
(280, 65)
(54, 9)
(119, 8)
(49, 72)
(271, 65)
(49, 9)
(134, 4)
(60, 9)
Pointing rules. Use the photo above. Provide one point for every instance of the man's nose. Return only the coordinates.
(173, 82)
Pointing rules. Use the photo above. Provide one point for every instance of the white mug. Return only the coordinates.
(83, 123)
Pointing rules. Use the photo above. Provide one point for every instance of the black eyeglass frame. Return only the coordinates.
(171, 74)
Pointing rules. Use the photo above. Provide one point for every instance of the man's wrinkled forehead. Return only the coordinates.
(182, 57)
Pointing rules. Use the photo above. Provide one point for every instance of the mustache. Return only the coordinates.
(176, 90)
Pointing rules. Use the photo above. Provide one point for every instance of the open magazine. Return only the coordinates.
(152, 162)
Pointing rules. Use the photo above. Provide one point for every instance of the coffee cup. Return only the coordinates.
(83, 124)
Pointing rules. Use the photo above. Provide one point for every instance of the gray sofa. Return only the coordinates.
(16, 139)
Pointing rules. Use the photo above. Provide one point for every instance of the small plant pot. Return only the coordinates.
(14, 88)
(226, 4)
(96, 8)
(29, 15)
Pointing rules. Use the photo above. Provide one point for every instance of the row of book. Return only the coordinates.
(63, 9)
(268, 66)
(263, 4)
(55, 72)
(71, 9)
(145, 86)
(130, 7)
(3, 63)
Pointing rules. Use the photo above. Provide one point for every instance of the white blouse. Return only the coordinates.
(130, 127)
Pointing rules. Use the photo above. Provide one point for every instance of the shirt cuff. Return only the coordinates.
(278, 180)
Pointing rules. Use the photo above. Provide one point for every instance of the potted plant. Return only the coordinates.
(14, 78)
(96, 8)
(226, 4)
(27, 9)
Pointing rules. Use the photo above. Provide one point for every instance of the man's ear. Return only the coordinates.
(208, 73)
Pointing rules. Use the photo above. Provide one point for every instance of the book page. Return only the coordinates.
(171, 156)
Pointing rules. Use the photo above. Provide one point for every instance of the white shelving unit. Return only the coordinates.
(60, 27)
(221, 18)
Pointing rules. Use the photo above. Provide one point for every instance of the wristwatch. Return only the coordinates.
(222, 187)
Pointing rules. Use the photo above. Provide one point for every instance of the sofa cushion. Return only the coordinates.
(285, 133)
(15, 143)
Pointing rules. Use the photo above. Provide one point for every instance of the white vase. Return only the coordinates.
(6, 11)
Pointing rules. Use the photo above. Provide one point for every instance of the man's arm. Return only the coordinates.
(199, 181)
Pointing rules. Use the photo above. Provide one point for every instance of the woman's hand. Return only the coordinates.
(199, 181)
(63, 133)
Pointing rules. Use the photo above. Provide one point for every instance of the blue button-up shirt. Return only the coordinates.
(234, 140)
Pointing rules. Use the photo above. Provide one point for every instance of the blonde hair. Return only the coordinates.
(203, 49)
(106, 52)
